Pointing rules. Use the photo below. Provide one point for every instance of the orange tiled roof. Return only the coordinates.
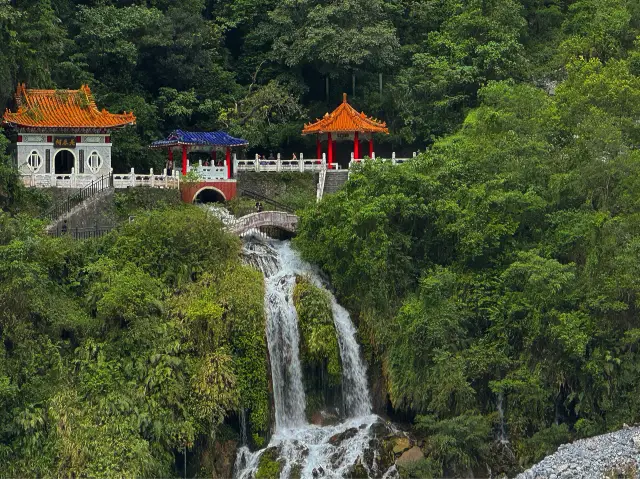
(344, 119)
(62, 108)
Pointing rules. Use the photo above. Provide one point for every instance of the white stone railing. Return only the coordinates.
(120, 180)
(211, 172)
(280, 219)
(393, 159)
(126, 180)
(301, 164)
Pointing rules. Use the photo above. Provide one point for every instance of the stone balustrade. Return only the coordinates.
(301, 164)
(212, 172)
(278, 219)
(206, 173)
(120, 180)
(394, 160)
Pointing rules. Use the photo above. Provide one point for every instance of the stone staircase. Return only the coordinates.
(334, 180)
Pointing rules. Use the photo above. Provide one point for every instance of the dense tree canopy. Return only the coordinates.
(117, 354)
(498, 270)
(260, 68)
(493, 278)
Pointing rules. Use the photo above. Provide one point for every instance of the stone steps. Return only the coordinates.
(334, 180)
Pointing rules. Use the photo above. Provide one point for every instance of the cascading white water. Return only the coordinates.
(329, 451)
(282, 340)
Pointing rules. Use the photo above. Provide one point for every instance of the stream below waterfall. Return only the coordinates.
(348, 449)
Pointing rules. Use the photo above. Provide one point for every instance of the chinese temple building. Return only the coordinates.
(62, 133)
(344, 123)
(184, 142)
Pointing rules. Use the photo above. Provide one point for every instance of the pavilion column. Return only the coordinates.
(228, 160)
(170, 155)
(329, 150)
(371, 146)
(333, 148)
(318, 147)
(185, 161)
(356, 146)
(213, 157)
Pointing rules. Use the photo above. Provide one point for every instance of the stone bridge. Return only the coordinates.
(278, 219)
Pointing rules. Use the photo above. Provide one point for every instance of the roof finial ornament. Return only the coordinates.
(344, 98)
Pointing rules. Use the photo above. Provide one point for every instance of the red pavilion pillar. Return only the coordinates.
(330, 150)
(356, 146)
(371, 146)
(333, 148)
(184, 160)
(318, 147)
(171, 156)
(228, 159)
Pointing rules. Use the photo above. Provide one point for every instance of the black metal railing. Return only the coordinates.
(260, 197)
(66, 205)
(80, 233)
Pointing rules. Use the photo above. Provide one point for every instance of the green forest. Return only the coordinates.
(261, 68)
(493, 279)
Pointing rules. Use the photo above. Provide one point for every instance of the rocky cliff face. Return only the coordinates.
(611, 455)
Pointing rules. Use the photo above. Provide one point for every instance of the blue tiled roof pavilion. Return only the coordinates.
(199, 138)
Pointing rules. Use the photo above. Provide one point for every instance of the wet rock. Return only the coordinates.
(412, 455)
(222, 456)
(357, 471)
(296, 472)
(380, 429)
(336, 457)
(324, 418)
(337, 439)
(269, 465)
(400, 444)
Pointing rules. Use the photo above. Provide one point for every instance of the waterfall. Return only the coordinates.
(503, 435)
(282, 341)
(306, 450)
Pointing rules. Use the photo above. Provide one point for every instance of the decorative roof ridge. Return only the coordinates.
(53, 108)
(332, 121)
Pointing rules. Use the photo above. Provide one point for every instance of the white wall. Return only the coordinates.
(38, 143)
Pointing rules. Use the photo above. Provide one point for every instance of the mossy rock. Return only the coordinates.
(400, 444)
(269, 466)
(358, 471)
(296, 472)
(319, 341)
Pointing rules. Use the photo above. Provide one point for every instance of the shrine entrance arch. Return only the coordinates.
(64, 161)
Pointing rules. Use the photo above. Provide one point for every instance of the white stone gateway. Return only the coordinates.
(62, 139)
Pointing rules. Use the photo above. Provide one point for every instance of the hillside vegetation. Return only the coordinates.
(120, 353)
(494, 279)
(499, 270)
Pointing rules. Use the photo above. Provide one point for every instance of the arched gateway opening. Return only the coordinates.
(64, 161)
(209, 194)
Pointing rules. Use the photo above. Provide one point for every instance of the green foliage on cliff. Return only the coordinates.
(132, 201)
(319, 342)
(117, 353)
(502, 264)
(268, 465)
(319, 351)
